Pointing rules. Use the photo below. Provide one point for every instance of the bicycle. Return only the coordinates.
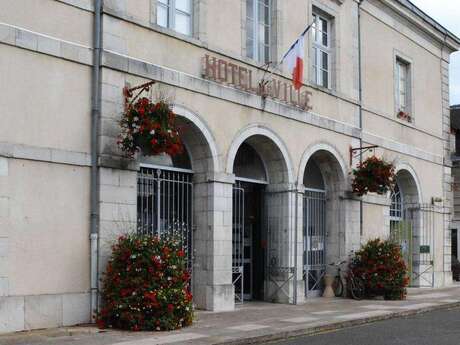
(355, 285)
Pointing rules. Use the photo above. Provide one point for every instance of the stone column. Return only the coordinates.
(117, 175)
(350, 237)
(447, 173)
(280, 220)
(300, 245)
(212, 269)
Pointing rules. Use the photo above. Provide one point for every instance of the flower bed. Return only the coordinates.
(381, 266)
(149, 128)
(146, 285)
(373, 175)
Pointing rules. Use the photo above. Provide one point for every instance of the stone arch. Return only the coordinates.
(271, 149)
(409, 183)
(322, 211)
(328, 152)
(416, 219)
(199, 141)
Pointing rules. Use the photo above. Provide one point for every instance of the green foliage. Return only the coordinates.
(381, 266)
(146, 285)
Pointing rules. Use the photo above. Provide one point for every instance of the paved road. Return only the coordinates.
(435, 328)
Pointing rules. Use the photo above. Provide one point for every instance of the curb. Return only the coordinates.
(308, 331)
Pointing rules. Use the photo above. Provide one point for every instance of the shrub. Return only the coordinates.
(381, 266)
(146, 285)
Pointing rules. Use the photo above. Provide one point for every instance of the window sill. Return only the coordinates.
(175, 34)
(403, 119)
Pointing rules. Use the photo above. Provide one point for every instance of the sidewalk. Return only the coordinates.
(255, 322)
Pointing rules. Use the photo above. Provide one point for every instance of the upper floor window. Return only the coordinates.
(258, 29)
(403, 87)
(321, 31)
(175, 15)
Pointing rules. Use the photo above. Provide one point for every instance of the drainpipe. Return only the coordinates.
(360, 98)
(94, 192)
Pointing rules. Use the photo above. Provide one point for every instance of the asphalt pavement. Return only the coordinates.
(434, 328)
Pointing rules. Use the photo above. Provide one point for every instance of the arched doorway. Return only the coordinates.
(165, 198)
(248, 238)
(263, 232)
(168, 188)
(322, 180)
(412, 226)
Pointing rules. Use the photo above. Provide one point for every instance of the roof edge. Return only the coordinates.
(429, 20)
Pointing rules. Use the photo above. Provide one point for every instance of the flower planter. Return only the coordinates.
(373, 175)
(149, 128)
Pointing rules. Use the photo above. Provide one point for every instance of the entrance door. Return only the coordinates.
(314, 220)
(248, 248)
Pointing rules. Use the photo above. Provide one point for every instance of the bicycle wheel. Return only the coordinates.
(338, 287)
(357, 288)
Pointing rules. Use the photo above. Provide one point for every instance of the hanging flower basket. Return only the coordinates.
(149, 128)
(373, 175)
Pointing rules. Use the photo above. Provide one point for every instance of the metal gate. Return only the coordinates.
(415, 234)
(238, 242)
(280, 216)
(314, 235)
(165, 204)
(423, 220)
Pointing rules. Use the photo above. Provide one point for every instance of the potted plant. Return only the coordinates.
(146, 285)
(403, 115)
(149, 128)
(373, 175)
(380, 264)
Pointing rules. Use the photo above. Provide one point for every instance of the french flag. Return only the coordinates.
(294, 59)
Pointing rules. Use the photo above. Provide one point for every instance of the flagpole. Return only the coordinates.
(284, 56)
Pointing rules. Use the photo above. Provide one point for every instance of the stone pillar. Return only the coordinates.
(300, 246)
(283, 266)
(212, 269)
(117, 175)
(350, 237)
(447, 173)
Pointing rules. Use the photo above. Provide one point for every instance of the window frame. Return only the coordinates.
(255, 38)
(399, 60)
(318, 48)
(171, 12)
(397, 204)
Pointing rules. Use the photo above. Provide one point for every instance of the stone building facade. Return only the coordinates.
(263, 191)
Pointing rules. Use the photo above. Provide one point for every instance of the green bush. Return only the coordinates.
(381, 266)
(146, 285)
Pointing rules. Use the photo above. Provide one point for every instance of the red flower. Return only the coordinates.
(100, 323)
(170, 308)
(181, 253)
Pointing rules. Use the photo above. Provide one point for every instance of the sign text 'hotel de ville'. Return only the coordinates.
(229, 73)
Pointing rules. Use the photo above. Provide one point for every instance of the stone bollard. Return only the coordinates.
(328, 291)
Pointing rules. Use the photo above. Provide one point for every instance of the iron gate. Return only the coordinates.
(280, 208)
(165, 204)
(422, 218)
(314, 234)
(415, 234)
(238, 242)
